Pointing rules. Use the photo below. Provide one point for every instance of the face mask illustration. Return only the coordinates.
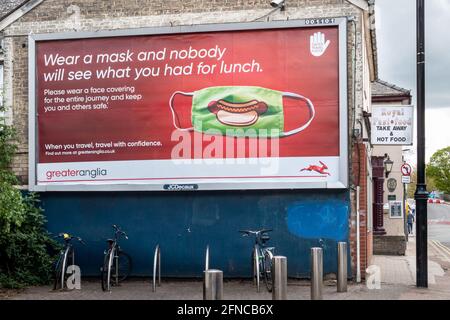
(226, 109)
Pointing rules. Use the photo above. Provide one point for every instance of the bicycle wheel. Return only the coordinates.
(57, 271)
(125, 266)
(69, 260)
(256, 266)
(268, 255)
(106, 271)
(61, 267)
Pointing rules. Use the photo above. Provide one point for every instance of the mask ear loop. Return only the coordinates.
(312, 112)
(174, 115)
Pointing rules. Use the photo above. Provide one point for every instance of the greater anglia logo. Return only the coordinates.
(93, 173)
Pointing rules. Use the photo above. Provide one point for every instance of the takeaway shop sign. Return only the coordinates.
(392, 125)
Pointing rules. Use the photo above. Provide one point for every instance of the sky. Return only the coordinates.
(396, 41)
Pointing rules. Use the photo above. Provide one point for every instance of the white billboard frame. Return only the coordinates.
(342, 183)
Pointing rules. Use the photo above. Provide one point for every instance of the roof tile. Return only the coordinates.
(383, 88)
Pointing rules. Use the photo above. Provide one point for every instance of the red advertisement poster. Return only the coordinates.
(190, 107)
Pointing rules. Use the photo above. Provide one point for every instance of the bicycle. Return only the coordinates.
(117, 263)
(261, 257)
(66, 258)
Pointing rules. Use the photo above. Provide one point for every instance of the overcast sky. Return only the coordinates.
(396, 40)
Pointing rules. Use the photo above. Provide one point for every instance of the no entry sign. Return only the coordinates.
(406, 173)
(406, 169)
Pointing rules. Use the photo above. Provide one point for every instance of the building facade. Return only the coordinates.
(393, 237)
(184, 223)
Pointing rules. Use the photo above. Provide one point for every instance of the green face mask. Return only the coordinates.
(240, 111)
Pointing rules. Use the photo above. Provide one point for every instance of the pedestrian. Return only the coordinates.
(410, 220)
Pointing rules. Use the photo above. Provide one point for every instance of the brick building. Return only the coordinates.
(185, 222)
(392, 240)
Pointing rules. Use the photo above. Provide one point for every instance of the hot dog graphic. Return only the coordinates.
(237, 114)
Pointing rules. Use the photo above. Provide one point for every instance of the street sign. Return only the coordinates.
(406, 173)
(392, 125)
(406, 169)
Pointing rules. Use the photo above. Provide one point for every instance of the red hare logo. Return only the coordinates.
(318, 169)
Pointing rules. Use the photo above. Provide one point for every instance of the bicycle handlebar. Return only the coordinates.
(248, 232)
(67, 236)
(117, 228)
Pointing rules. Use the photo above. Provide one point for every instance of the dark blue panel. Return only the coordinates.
(184, 223)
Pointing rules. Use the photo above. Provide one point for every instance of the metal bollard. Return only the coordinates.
(316, 273)
(279, 276)
(212, 284)
(342, 267)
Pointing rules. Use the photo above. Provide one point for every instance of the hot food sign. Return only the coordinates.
(392, 125)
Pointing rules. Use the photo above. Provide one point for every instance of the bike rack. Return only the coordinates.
(157, 267)
(207, 258)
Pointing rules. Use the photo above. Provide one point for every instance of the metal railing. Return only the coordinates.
(207, 258)
(156, 267)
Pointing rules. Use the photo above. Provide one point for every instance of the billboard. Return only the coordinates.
(392, 125)
(242, 106)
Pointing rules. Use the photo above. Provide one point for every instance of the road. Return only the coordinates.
(439, 223)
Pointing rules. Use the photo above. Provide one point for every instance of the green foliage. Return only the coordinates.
(24, 250)
(24, 242)
(7, 149)
(431, 185)
(439, 169)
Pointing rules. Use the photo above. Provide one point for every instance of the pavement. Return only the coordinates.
(397, 283)
(397, 275)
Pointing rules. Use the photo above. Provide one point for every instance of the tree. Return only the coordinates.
(25, 245)
(431, 185)
(439, 169)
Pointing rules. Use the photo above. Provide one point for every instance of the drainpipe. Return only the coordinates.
(358, 249)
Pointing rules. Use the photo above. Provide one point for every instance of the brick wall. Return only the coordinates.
(360, 170)
(90, 15)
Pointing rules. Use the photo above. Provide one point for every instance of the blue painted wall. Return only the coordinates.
(183, 223)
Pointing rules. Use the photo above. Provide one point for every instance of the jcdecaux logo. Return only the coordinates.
(93, 173)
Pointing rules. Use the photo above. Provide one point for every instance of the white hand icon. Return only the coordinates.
(317, 44)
